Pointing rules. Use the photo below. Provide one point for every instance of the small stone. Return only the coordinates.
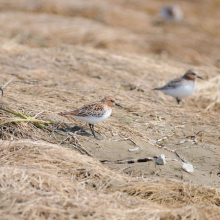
(161, 160)
(188, 167)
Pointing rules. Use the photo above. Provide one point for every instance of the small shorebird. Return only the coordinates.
(171, 13)
(94, 112)
(181, 87)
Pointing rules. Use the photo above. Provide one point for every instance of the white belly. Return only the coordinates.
(181, 91)
(92, 120)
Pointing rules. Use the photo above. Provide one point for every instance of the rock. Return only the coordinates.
(161, 160)
(187, 167)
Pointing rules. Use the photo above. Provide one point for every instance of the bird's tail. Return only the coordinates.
(70, 113)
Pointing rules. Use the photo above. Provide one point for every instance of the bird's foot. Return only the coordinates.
(98, 138)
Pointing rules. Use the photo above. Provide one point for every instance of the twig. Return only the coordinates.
(182, 177)
(79, 149)
(139, 160)
(27, 81)
(182, 158)
(6, 83)
(131, 140)
(189, 140)
(78, 145)
(137, 148)
(1, 88)
(64, 140)
(119, 171)
(38, 114)
(156, 172)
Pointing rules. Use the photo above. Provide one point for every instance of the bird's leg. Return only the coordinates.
(178, 100)
(2, 91)
(93, 132)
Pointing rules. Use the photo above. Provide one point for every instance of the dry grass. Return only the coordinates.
(211, 91)
(132, 26)
(41, 181)
(63, 54)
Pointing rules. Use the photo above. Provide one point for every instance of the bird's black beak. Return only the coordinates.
(118, 105)
(200, 77)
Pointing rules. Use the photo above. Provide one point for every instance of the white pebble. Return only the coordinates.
(161, 160)
(187, 167)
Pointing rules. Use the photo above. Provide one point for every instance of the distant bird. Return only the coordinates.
(171, 13)
(94, 112)
(182, 87)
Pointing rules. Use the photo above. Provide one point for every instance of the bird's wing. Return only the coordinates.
(171, 85)
(95, 109)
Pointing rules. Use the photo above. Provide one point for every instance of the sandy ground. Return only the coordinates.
(150, 120)
(65, 54)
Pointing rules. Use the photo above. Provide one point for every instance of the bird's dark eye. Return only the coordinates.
(112, 100)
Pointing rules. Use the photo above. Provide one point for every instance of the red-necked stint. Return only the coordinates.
(94, 112)
(171, 13)
(182, 87)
